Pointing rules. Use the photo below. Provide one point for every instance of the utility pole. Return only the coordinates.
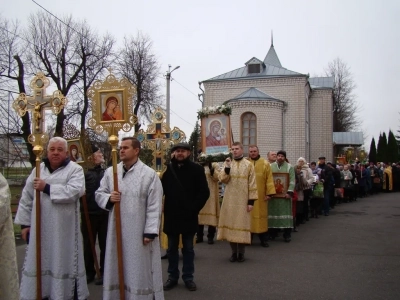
(168, 76)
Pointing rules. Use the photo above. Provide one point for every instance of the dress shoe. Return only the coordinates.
(264, 244)
(165, 256)
(210, 241)
(89, 278)
(199, 240)
(99, 281)
(241, 257)
(287, 239)
(326, 214)
(190, 285)
(233, 258)
(170, 284)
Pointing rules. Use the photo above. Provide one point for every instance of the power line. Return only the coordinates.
(22, 38)
(9, 91)
(181, 118)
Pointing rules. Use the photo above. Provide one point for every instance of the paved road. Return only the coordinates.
(352, 254)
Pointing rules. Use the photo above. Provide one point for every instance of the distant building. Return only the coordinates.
(13, 152)
(276, 108)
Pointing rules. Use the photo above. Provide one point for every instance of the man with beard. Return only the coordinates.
(265, 189)
(280, 209)
(186, 191)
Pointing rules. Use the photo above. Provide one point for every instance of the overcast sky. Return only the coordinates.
(208, 38)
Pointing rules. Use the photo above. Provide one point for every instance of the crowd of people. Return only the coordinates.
(262, 197)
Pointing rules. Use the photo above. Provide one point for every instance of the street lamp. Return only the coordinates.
(168, 90)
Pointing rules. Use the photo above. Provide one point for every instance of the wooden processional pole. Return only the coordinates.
(113, 140)
(38, 150)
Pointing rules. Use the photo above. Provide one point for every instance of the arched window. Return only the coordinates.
(248, 131)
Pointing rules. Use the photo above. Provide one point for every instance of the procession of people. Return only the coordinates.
(253, 204)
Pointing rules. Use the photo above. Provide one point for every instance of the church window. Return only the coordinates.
(253, 68)
(248, 131)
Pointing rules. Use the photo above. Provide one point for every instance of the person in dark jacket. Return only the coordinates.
(337, 195)
(186, 192)
(97, 216)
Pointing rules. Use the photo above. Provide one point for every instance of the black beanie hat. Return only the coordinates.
(282, 152)
(95, 148)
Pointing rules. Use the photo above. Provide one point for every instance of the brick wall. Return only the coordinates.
(271, 135)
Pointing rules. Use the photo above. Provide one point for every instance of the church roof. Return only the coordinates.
(348, 138)
(254, 94)
(271, 67)
(322, 82)
(272, 58)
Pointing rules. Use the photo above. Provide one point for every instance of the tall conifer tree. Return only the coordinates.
(194, 141)
(392, 153)
(379, 150)
(372, 152)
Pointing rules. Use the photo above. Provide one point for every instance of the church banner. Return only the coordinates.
(215, 129)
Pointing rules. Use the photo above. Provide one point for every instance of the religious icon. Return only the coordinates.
(75, 151)
(216, 133)
(37, 114)
(281, 182)
(112, 107)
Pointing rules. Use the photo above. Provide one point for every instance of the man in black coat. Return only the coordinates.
(186, 192)
(97, 216)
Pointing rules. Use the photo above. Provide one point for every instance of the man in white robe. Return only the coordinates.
(140, 196)
(9, 283)
(61, 184)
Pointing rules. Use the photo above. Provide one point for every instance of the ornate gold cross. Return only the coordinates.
(159, 137)
(39, 101)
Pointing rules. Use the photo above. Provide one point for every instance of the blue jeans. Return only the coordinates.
(327, 196)
(173, 256)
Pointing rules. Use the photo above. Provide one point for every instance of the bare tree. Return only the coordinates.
(95, 53)
(55, 49)
(139, 65)
(12, 77)
(344, 102)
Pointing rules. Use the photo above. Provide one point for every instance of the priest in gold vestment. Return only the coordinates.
(210, 212)
(240, 193)
(387, 178)
(265, 189)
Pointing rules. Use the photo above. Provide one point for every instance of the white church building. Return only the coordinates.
(276, 108)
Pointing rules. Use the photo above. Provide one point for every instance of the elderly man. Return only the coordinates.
(265, 189)
(280, 209)
(61, 184)
(240, 193)
(140, 198)
(271, 156)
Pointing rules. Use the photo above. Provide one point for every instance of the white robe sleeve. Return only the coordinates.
(4, 201)
(103, 193)
(24, 211)
(154, 205)
(72, 191)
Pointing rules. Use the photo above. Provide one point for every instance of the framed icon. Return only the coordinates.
(281, 182)
(75, 151)
(216, 133)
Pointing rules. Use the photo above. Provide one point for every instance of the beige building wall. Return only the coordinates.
(293, 136)
(321, 114)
